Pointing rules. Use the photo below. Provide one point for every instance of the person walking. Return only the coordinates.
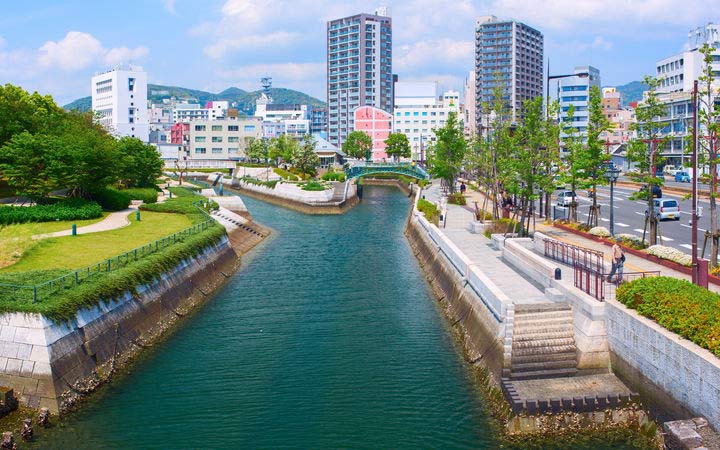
(618, 260)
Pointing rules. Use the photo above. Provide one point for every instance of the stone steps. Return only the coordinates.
(543, 344)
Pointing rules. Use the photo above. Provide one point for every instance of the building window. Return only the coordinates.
(217, 150)
(233, 139)
(217, 128)
(233, 150)
(249, 128)
(233, 128)
(199, 127)
(199, 138)
(131, 84)
(200, 151)
(217, 138)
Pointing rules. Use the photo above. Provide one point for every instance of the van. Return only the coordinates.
(565, 198)
(666, 208)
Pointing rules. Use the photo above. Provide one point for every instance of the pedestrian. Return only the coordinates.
(462, 187)
(618, 261)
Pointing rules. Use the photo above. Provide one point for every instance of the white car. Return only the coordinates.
(564, 198)
(666, 208)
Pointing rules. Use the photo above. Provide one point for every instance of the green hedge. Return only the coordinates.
(147, 195)
(111, 199)
(65, 304)
(334, 176)
(679, 306)
(312, 186)
(184, 201)
(285, 174)
(255, 181)
(457, 199)
(69, 209)
(432, 214)
(502, 226)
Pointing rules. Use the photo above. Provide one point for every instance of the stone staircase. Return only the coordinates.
(339, 193)
(543, 344)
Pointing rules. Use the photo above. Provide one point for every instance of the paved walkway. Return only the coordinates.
(115, 220)
(477, 248)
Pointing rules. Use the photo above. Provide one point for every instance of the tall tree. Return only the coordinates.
(358, 144)
(21, 111)
(593, 158)
(305, 159)
(449, 151)
(398, 146)
(643, 150)
(258, 149)
(140, 163)
(25, 162)
(708, 141)
(282, 146)
(573, 172)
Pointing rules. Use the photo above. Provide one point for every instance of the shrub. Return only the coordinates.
(483, 215)
(583, 227)
(312, 186)
(68, 209)
(599, 231)
(670, 254)
(147, 195)
(502, 226)
(630, 240)
(334, 176)
(678, 305)
(431, 212)
(284, 174)
(111, 199)
(271, 184)
(456, 199)
(184, 201)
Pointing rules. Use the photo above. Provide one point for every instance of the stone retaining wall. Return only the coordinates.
(276, 198)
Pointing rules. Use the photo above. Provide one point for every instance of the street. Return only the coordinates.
(630, 216)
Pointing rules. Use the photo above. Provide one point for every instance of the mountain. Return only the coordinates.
(631, 92)
(243, 100)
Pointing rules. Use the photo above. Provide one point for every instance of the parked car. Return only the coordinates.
(665, 208)
(657, 192)
(564, 198)
(682, 177)
(671, 170)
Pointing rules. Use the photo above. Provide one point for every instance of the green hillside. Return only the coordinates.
(631, 92)
(243, 100)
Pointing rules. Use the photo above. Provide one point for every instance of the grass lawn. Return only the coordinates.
(73, 252)
(15, 240)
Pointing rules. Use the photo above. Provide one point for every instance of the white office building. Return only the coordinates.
(677, 73)
(119, 98)
(223, 140)
(419, 110)
(575, 91)
(470, 112)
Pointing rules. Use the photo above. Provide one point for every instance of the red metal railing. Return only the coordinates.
(574, 255)
(595, 283)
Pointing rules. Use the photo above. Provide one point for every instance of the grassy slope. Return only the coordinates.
(72, 252)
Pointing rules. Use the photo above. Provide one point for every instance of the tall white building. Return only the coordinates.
(419, 110)
(470, 115)
(119, 97)
(575, 91)
(677, 72)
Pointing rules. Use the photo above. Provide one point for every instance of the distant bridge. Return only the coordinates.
(369, 168)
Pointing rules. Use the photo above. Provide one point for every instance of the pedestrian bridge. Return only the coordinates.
(370, 168)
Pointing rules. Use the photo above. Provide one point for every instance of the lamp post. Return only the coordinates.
(694, 182)
(612, 173)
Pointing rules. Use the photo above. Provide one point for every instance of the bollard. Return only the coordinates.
(170, 194)
(702, 272)
(74, 230)
(137, 215)
(558, 273)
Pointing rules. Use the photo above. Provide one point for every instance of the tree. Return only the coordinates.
(574, 172)
(707, 143)
(592, 157)
(21, 111)
(449, 151)
(398, 146)
(282, 146)
(358, 145)
(305, 159)
(258, 149)
(140, 163)
(24, 161)
(643, 150)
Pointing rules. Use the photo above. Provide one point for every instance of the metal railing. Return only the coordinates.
(595, 284)
(574, 255)
(38, 292)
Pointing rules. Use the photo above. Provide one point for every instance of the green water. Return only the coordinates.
(328, 337)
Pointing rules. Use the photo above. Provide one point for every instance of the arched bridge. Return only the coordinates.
(370, 168)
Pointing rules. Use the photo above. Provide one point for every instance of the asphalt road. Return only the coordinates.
(630, 217)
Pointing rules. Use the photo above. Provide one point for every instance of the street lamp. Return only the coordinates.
(612, 173)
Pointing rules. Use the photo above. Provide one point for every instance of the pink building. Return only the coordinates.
(377, 124)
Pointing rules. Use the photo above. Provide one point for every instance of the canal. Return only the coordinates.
(327, 337)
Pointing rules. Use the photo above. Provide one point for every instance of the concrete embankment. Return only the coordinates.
(332, 201)
(52, 364)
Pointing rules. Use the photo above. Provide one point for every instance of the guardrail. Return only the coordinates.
(573, 254)
(595, 284)
(40, 291)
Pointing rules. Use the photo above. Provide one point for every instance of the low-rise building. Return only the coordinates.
(377, 124)
(214, 141)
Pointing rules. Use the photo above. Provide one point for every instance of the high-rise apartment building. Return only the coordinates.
(575, 91)
(119, 98)
(510, 53)
(359, 69)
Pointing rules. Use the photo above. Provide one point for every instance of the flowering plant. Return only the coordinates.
(599, 231)
(670, 254)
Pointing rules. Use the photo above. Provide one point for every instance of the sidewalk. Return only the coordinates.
(113, 221)
(632, 264)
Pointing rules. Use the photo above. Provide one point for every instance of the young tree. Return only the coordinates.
(592, 157)
(140, 163)
(282, 146)
(643, 150)
(707, 143)
(305, 159)
(449, 151)
(398, 146)
(574, 173)
(258, 149)
(358, 145)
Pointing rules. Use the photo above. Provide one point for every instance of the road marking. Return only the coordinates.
(624, 225)
(638, 230)
(683, 212)
(688, 226)
(642, 203)
(638, 212)
(687, 246)
(604, 219)
(668, 239)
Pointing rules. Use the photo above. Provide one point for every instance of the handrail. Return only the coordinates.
(595, 283)
(574, 254)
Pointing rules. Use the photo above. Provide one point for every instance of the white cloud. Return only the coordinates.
(78, 50)
(442, 51)
(250, 42)
(170, 6)
(600, 43)
(3, 42)
(308, 77)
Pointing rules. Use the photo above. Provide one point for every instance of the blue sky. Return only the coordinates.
(55, 46)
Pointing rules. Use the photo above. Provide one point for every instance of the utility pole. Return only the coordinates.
(694, 187)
